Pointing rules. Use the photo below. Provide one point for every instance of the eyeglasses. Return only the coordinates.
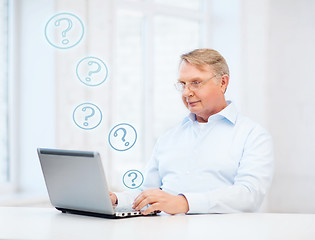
(193, 86)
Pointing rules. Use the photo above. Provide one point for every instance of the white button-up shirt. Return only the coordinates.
(222, 166)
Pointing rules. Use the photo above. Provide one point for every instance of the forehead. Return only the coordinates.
(203, 67)
(188, 71)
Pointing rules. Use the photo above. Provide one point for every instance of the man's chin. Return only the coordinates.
(194, 111)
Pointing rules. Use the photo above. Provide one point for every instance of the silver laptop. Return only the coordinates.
(76, 183)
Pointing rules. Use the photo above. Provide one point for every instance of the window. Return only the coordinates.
(4, 139)
(150, 37)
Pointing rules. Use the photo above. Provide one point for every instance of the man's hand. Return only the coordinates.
(113, 197)
(161, 201)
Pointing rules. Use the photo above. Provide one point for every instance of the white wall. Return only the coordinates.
(276, 88)
(291, 104)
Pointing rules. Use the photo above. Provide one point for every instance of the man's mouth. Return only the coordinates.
(192, 103)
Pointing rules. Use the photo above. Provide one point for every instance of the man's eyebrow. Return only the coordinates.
(190, 80)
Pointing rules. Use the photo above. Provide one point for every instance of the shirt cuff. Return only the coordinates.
(197, 202)
(126, 199)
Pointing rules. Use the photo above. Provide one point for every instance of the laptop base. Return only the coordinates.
(102, 215)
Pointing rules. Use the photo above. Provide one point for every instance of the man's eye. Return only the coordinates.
(195, 83)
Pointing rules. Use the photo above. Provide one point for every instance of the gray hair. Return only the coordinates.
(201, 57)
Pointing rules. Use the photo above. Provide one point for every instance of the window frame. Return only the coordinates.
(11, 186)
(7, 186)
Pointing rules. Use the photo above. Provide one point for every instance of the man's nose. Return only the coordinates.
(186, 91)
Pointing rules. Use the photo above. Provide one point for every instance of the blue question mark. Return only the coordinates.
(64, 33)
(135, 177)
(91, 72)
(88, 116)
(123, 138)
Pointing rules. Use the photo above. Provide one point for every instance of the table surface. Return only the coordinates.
(48, 223)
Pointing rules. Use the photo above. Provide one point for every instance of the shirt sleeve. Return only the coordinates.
(126, 198)
(151, 180)
(251, 182)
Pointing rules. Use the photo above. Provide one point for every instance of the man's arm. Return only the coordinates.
(161, 201)
(251, 182)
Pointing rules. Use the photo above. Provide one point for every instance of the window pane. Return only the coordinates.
(128, 62)
(128, 83)
(190, 4)
(4, 174)
(173, 37)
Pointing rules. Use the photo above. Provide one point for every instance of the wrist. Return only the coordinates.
(183, 203)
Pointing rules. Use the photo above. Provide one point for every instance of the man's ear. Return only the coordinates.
(224, 82)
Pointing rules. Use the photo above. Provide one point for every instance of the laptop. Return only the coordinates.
(76, 183)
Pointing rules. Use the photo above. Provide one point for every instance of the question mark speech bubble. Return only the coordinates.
(64, 30)
(134, 178)
(88, 79)
(91, 71)
(133, 182)
(122, 137)
(87, 116)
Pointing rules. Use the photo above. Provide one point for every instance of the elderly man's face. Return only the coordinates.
(209, 98)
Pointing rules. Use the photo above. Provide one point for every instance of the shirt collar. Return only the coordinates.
(229, 113)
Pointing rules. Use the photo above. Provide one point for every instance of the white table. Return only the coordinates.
(48, 223)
